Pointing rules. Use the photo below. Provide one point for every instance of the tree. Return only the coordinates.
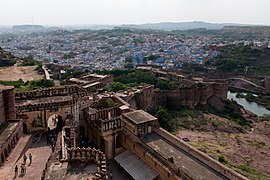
(166, 120)
(117, 86)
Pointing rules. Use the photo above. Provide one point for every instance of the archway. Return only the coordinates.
(24, 128)
(118, 143)
(52, 121)
(60, 124)
(56, 123)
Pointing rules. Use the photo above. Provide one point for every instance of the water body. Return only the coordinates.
(251, 106)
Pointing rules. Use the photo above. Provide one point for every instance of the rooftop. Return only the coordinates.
(44, 100)
(139, 116)
(182, 159)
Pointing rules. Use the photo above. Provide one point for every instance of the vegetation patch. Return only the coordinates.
(165, 118)
(28, 85)
(124, 79)
(242, 59)
(29, 61)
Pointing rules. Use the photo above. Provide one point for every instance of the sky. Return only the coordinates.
(83, 12)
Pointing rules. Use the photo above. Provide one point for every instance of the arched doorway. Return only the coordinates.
(118, 143)
(56, 123)
(60, 124)
(24, 128)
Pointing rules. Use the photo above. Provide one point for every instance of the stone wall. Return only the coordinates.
(38, 120)
(221, 89)
(9, 104)
(186, 96)
(48, 92)
(231, 174)
(11, 141)
(144, 98)
(2, 110)
(165, 169)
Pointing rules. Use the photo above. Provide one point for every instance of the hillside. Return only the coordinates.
(231, 32)
(240, 58)
(6, 58)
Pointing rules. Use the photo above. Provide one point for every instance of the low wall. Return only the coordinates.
(166, 169)
(231, 174)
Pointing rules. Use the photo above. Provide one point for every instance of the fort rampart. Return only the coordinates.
(48, 92)
(200, 156)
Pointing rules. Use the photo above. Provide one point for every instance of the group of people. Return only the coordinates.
(23, 165)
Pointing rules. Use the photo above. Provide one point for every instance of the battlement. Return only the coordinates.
(49, 92)
(89, 155)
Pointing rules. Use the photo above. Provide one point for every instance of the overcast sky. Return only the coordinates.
(68, 12)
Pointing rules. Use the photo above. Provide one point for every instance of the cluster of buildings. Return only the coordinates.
(95, 128)
(112, 49)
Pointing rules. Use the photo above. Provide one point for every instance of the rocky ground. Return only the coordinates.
(246, 152)
(14, 73)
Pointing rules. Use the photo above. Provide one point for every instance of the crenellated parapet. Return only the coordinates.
(89, 155)
(49, 92)
(55, 105)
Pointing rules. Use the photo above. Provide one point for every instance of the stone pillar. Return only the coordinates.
(109, 146)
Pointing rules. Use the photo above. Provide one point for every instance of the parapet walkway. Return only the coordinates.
(183, 160)
(40, 154)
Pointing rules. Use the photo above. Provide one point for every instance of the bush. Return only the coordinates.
(166, 120)
(222, 159)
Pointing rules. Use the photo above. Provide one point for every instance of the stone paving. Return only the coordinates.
(40, 153)
(7, 170)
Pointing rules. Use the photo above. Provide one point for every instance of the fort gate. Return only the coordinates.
(36, 107)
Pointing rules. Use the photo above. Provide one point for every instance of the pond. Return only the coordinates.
(251, 106)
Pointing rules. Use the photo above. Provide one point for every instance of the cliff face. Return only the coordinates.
(6, 58)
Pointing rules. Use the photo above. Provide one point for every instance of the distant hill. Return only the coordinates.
(232, 32)
(28, 28)
(167, 26)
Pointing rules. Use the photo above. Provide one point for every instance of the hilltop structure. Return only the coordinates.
(94, 128)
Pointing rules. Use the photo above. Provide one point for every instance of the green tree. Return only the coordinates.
(166, 120)
(117, 86)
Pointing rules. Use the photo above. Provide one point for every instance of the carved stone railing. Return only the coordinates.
(89, 155)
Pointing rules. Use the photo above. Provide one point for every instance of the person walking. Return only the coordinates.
(24, 159)
(16, 170)
(30, 158)
(22, 169)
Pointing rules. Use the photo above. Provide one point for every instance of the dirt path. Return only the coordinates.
(14, 73)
